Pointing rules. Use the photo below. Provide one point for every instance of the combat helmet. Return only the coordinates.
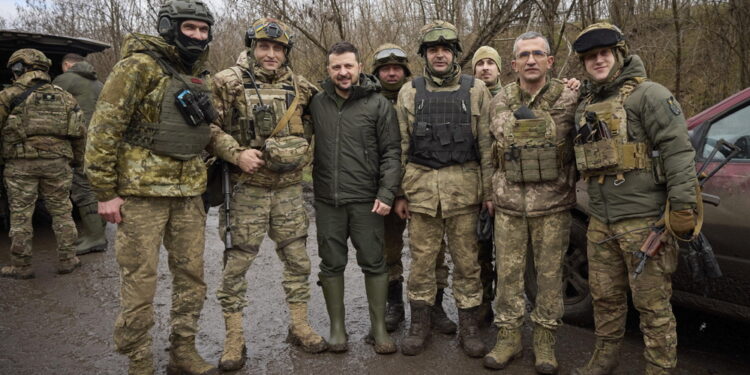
(173, 12)
(269, 29)
(390, 54)
(28, 59)
(600, 34)
(439, 33)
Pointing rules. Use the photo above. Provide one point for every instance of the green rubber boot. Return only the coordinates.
(333, 292)
(92, 238)
(377, 293)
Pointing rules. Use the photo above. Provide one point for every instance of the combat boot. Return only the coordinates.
(333, 292)
(185, 360)
(235, 352)
(544, 350)
(300, 332)
(468, 334)
(92, 238)
(652, 369)
(377, 292)
(394, 309)
(17, 272)
(604, 360)
(507, 348)
(419, 328)
(68, 265)
(439, 318)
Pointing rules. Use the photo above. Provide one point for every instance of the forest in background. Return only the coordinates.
(699, 49)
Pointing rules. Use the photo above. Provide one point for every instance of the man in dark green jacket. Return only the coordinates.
(356, 175)
(652, 179)
(79, 78)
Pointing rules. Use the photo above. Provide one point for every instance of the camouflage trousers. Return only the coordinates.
(549, 236)
(80, 192)
(427, 234)
(27, 179)
(611, 267)
(146, 222)
(393, 248)
(256, 210)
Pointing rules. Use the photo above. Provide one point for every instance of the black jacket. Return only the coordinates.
(357, 146)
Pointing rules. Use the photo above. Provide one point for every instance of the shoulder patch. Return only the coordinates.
(674, 106)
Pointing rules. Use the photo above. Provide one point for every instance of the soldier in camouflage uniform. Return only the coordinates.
(534, 185)
(443, 183)
(143, 159)
(79, 79)
(41, 132)
(486, 64)
(642, 120)
(270, 200)
(390, 66)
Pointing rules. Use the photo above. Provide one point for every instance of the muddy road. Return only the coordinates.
(63, 324)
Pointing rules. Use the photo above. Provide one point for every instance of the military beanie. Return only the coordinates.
(485, 52)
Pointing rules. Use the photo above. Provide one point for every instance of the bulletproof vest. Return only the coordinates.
(533, 152)
(603, 149)
(172, 136)
(250, 128)
(41, 125)
(441, 134)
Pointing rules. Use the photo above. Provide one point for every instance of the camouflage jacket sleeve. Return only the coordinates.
(307, 90)
(131, 79)
(484, 140)
(389, 148)
(666, 129)
(403, 125)
(225, 90)
(5, 99)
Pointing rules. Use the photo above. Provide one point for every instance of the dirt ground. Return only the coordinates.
(63, 324)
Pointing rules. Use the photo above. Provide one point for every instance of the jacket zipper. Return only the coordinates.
(336, 159)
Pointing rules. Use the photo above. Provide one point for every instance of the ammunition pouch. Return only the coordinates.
(286, 154)
(532, 155)
(607, 157)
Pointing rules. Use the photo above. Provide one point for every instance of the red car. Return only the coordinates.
(726, 226)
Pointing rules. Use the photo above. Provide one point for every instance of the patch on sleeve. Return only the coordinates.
(674, 106)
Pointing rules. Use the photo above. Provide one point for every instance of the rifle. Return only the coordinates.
(701, 257)
(226, 188)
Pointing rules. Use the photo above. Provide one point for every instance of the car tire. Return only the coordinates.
(576, 293)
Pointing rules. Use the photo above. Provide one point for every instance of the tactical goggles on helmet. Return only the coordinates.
(439, 35)
(387, 53)
(597, 38)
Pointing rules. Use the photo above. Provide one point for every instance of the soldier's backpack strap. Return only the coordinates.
(289, 111)
(24, 95)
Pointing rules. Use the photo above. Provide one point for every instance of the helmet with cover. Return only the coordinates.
(26, 59)
(269, 29)
(390, 54)
(173, 12)
(439, 33)
(598, 35)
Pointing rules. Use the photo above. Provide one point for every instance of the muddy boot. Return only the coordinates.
(468, 333)
(300, 332)
(652, 369)
(507, 348)
(333, 292)
(440, 321)
(141, 364)
(394, 309)
(544, 350)
(604, 360)
(68, 265)
(92, 238)
(419, 328)
(17, 272)
(377, 292)
(235, 352)
(185, 360)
